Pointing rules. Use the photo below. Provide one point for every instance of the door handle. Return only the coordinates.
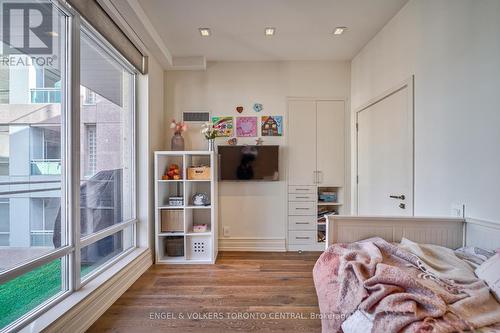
(400, 197)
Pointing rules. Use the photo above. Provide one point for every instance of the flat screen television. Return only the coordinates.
(247, 163)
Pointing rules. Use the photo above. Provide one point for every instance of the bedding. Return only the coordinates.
(407, 287)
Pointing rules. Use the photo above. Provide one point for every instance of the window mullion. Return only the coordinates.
(73, 152)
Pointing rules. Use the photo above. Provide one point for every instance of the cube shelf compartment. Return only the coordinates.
(178, 220)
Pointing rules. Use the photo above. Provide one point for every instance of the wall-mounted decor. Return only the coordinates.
(239, 109)
(257, 107)
(232, 141)
(223, 125)
(246, 126)
(272, 126)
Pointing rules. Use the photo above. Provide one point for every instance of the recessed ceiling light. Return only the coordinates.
(270, 31)
(339, 30)
(204, 32)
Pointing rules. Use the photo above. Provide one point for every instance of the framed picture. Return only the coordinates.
(246, 126)
(223, 125)
(272, 126)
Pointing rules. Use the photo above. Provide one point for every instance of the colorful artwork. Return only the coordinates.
(239, 109)
(246, 126)
(223, 126)
(272, 126)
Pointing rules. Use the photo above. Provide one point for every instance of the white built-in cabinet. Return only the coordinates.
(316, 163)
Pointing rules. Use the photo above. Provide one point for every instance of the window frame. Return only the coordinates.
(71, 174)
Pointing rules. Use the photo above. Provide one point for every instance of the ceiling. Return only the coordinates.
(303, 27)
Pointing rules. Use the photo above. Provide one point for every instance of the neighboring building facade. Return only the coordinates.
(30, 150)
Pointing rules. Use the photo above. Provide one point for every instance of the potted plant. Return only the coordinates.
(210, 133)
(177, 142)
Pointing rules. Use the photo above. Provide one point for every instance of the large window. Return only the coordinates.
(60, 228)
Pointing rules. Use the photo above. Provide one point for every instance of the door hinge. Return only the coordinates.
(357, 179)
(357, 127)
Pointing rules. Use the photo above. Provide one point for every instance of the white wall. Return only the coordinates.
(255, 212)
(453, 49)
(150, 129)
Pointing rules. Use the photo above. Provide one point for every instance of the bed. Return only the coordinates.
(404, 274)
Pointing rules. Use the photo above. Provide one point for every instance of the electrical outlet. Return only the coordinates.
(458, 210)
(226, 231)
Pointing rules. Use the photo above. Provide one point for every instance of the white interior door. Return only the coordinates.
(301, 142)
(385, 155)
(330, 150)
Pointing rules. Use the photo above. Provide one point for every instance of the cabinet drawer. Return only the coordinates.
(302, 197)
(301, 223)
(302, 208)
(302, 237)
(303, 189)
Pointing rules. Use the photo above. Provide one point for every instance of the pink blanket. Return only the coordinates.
(398, 289)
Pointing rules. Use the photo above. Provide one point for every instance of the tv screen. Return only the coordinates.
(248, 162)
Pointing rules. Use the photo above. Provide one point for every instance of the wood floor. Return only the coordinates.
(242, 292)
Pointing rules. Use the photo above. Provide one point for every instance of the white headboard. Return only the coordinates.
(448, 232)
(483, 234)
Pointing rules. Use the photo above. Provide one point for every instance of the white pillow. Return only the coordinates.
(489, 272)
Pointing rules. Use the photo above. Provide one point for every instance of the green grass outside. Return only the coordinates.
(24, 293)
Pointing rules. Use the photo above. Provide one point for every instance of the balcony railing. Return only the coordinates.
(45, 167)
(45, 95)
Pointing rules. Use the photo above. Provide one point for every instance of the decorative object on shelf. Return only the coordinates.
(177, 142)
(259, 142)
(239, 109)
(232, 141)
(257, 107)
(175, 201)
(200, 199)
(328, 197)
(203, 227)
(210, 133)
(173, 173)
(272, 126)
(246, 126)
(198, 173)
(223, 126)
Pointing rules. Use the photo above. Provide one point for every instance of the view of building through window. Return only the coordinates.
(33, 158)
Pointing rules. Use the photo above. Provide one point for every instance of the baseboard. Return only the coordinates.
(253, 244)
(85, 313)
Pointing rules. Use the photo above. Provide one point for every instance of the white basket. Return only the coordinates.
(199, 247)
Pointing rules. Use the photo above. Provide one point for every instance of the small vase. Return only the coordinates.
(211, 144)
(177, 142)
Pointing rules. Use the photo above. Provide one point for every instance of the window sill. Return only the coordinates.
(73, 305)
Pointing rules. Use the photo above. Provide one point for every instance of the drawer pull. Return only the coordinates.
(302, 189)
(301, 208)
(301, 222)
(302, 197)
(299, 237)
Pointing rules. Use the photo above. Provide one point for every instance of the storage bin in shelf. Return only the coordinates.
(199, 247)
(171, 248)
(172, 221)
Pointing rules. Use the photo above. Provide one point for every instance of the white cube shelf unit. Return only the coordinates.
(176, 241)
